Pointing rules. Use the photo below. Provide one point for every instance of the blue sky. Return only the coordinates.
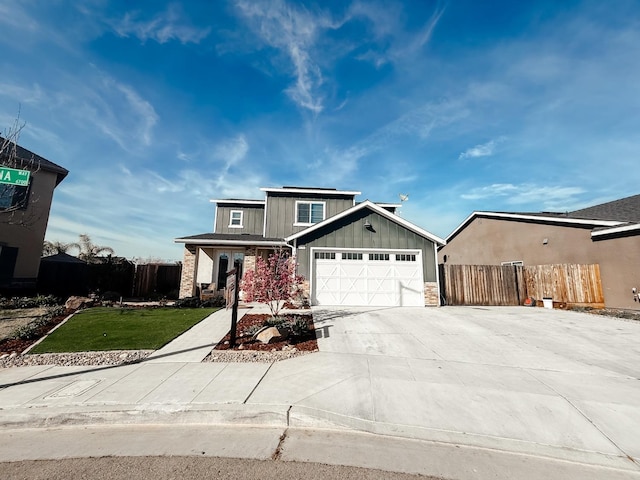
(156, 107)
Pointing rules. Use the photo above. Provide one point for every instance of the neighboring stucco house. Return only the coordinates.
(24, 214)
(607, 234)
(349, 253)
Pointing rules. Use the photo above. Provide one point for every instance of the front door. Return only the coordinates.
(225, 263)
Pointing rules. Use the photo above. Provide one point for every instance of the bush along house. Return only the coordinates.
(350, 253)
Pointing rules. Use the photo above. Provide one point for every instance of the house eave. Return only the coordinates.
(213, 242)
(532, 218)
(615, 230)
(221, 201)
(314, 191)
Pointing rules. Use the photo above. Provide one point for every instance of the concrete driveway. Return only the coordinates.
(510, 386)
(549, 382)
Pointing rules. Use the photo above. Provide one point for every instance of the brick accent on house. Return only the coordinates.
(187, 279)
(249, 260)
(431, 294)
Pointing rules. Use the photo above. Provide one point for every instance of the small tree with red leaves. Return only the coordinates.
(273, 282)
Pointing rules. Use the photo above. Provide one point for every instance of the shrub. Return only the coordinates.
(29, 302)
(189, 302)
(217, 301)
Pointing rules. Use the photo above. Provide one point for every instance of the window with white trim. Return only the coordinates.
(384, 257)
(405, 257)
(308, 213)
(516, 263)
(235, 219)
(325, 255)
(351, 256)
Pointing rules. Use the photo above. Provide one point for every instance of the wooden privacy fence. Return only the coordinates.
(156, 280)
(511, 285)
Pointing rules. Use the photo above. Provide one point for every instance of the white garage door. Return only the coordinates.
(367, 277)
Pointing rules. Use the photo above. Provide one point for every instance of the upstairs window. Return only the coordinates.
(308, 213)
(235, 219)
(12, 196)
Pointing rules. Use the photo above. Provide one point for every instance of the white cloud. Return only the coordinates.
(162, 28)
(482, 150)
(293, 31)
(547, 197)
(232, 151)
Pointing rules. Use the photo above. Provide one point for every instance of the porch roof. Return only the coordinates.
(230, 239)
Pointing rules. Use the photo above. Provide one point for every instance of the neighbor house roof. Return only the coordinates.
(379, 210)
(612, 218)
(36, 161)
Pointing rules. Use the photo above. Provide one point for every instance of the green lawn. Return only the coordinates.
(99, 329)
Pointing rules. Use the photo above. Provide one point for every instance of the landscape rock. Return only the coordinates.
(76, 303)
(271, 334)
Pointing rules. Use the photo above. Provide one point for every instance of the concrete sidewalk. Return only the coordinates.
(197, 342)
(514, 382)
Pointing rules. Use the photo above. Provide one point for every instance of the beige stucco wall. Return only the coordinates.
(488, 241)
(25, 229)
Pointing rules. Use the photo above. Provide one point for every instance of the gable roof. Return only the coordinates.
(379, 210)
(36, 161)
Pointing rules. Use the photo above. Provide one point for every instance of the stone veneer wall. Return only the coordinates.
(431, 294)
(187, 279)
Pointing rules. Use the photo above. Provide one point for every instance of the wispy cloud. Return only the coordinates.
(232, 151)
(163, 27)
(482, 150)
(293, 31)
(526, 193)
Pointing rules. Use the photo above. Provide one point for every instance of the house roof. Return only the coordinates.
(236, 201)
(36, 161)
(230, 239)
(312, 190)
(615, 217)
(379, 210)
(62, 258)
(624, 210)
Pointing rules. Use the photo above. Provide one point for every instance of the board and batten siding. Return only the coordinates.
(252, 219)
(349, 232)
(282, 211)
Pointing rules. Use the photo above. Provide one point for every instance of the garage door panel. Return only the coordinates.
(373, 280)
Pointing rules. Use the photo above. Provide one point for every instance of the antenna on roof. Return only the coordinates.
(404, 197)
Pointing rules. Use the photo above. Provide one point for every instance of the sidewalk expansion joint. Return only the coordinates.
(258, 383)
(584, 415)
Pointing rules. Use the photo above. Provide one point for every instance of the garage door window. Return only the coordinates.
(351, 256)
(384, 257)
(402, 257)
(325, 255)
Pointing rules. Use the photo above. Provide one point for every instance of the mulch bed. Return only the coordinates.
(17, 345)
(306, 343)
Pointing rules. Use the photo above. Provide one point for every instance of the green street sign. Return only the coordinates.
(12, 176)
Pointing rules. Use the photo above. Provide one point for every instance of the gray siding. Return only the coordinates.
(349, 232)
(281, 210)
(252, 221)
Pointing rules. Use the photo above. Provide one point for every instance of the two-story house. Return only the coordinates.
(350, 253)
(24, 214)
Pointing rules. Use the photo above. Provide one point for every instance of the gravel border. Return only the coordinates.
(89, 359)
(123, 357)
